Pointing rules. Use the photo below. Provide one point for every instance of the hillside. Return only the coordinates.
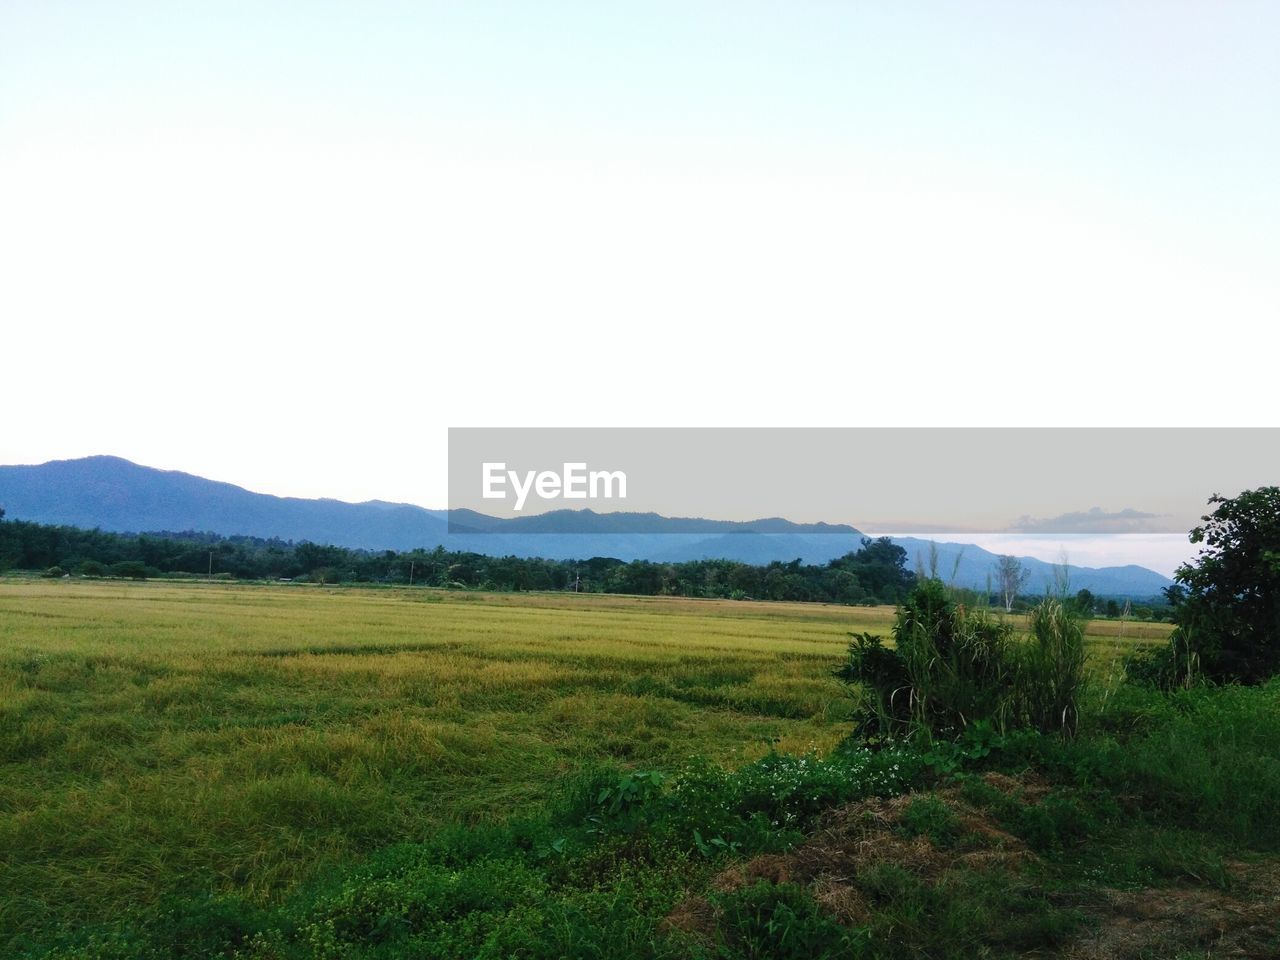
(117, 495)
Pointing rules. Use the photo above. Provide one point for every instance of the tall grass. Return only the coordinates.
(957, 659)
(954, 666)
(1051, 668)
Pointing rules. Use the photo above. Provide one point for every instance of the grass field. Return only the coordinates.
(158, 738)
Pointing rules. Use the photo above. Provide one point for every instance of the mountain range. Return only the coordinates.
(114, 494)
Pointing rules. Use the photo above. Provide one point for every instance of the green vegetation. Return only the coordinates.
(274, 772)
(1227, 602)
(876, 573)
(249, 737)
(954, 666)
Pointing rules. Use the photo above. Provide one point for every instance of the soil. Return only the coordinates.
(1242, 921)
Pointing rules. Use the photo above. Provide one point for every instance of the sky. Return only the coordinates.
(289, 244)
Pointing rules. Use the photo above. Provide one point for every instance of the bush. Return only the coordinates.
(881, 686)
(1162, 668)
(954, 666)
(950, 666)
(54, 572)
(132, 570)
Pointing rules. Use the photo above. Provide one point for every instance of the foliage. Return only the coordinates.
(464, 782)
(1227, 602)
(876, 573)
(879, 673)
(629, 792)
(779, 922)
(953, 665)
(1163, 805)
(978, 741)
(1208, 760)
(763, 803)
(1173, 664)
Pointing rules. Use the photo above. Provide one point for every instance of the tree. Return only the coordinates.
(1084, 601)
(1228, 610)
(1011, 577)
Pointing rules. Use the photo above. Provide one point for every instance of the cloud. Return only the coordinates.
(1094, 520)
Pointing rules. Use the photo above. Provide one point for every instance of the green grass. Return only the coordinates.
(198, 740)
(244, 738)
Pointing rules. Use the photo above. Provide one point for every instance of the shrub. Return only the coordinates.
(1165, 667)
(953, 666)
(133, 570)
(882, 686)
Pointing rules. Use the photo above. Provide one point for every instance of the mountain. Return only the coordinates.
(114, 494)
(969, 566)
(121, 496)
(118, 495)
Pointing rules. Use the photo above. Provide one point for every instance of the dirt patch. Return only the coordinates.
(864, 835)
(1243, 921)
(692, 915)
(1028, 787)
(769, 866)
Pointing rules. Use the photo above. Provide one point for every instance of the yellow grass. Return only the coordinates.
(239, 736)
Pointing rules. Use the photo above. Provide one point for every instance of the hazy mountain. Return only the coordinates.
(118, 495)
(115, 494)
(970, 566)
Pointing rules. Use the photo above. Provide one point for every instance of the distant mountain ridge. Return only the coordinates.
(117, 495)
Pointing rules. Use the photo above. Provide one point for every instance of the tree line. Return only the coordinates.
(876, 573)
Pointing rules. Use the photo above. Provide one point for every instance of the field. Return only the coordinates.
(159, 738)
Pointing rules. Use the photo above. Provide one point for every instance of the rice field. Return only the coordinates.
(159, 738)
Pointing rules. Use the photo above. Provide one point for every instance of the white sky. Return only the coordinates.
(288, 244)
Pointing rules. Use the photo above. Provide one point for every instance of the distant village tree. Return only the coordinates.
(1011, 577)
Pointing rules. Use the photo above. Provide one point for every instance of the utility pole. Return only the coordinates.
(412, 563)
(210, 564)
